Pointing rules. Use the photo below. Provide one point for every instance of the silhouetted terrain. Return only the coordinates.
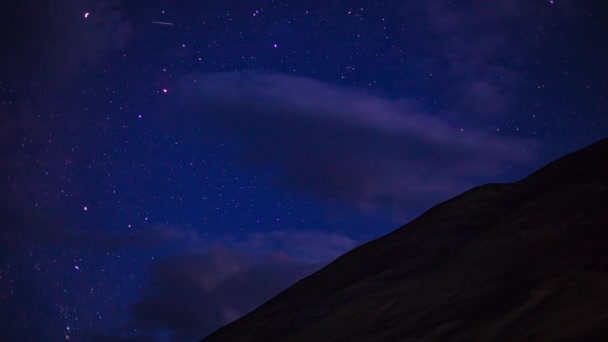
(525, 260)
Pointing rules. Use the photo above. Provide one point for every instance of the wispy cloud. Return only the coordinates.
(476, 50)
(346, 145)
(195, 284)
(190, 295)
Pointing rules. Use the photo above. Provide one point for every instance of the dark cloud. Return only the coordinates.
(477, 48)
(191, 295)
(345, 145)
(471, 36)
(47, 41)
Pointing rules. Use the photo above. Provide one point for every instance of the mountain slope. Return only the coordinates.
(525, 260)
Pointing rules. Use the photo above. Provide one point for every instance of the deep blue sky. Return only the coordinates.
(160, 180)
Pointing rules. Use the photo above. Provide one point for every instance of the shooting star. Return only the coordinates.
(162, 23)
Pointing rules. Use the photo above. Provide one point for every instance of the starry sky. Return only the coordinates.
(167, 166)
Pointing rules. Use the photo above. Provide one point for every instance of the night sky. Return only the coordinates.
(168, 166)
